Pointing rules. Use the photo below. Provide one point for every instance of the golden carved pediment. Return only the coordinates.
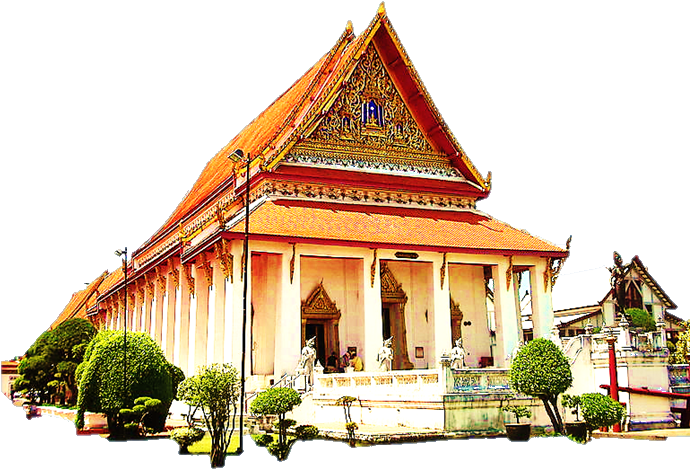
(370, 112)
(391, 289)
(319, 305)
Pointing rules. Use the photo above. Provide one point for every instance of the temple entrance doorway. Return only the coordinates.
(314, 329)
(393, 301)
(393, 319)
(321, 319)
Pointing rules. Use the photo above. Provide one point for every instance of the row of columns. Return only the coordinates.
(193, 312)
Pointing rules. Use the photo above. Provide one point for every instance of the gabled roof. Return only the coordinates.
(293, 116)
(80, 301)
(379, 226)
(637, 265)
(593, 287)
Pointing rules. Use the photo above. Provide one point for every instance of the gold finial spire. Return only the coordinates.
(382, 9)
(349, 28)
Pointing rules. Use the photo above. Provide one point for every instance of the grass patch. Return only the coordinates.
(204, 446)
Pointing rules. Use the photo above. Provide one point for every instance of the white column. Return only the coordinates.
(238, 305)
(217, 319)
(201, 322)
(135, 323)
(193, 307)
(176, 312)
(442, 330)
(506, 315)
(184, 315)
(229, 314)
(172, 298)
(211, 324)
(288, 316)
(159, 306)
(542, 310)
(147, 308)
(373, 325)
(164, 322)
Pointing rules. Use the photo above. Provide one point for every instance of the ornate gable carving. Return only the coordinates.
(391, 289)
(371, 112)
(319, 305)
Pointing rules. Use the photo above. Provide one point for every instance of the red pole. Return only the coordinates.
(613, 375)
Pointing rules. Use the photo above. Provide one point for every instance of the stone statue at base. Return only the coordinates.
(306, 362)
(385, 356)
(457, 355)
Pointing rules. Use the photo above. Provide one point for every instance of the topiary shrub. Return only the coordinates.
(264, 439)
(101, 380)
(641, 319)
(278, 401)
(186, 436)
(540, 369)
(306, 432)
(599, 410)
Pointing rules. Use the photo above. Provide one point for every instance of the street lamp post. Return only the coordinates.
(237, 156)
(120, 253)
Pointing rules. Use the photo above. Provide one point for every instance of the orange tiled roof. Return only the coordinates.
(288, 117)
(459, 231)
(80, 302)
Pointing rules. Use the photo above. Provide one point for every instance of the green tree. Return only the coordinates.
(540, 369)
(641, 319)
(50, 363)
(215, 390)
(101, 379)
(278, 401)
(681, 351)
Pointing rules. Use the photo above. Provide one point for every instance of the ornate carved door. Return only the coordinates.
(320, 318)
(393, 301)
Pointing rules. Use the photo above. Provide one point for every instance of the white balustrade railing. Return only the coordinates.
(391, 384)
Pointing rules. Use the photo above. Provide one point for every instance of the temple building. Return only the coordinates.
(364, 225)
(641, 292)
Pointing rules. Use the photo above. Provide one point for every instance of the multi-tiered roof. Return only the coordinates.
(355, 152)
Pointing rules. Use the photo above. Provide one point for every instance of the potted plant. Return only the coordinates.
(577, 429)
(518, 431)
(185, 437)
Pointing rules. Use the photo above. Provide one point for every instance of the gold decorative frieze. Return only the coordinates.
(174, 272)
(149, 284)
(187, 272)
(443, 270)
(204, 265)
(225, 258)
(373, 269)
(292, 263)
(554, 266)
(141, 290)
(509, 273)
(327, 193)
(369, 111)
(162, 279)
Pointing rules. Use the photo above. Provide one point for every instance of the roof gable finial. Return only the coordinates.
(382, 9)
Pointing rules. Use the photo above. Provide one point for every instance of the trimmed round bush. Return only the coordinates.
(599, 410)
(101, 378)
(186, 436)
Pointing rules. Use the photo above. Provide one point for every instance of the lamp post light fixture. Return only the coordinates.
(238, 156)
(120, 253)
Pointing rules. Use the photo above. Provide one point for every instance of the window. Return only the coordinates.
(372, 113)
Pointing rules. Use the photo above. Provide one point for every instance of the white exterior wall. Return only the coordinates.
(204, 328)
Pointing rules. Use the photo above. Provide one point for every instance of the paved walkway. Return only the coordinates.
(646, 434)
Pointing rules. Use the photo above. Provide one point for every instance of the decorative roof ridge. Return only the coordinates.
(82, 296)
(557, 248)
(649, 280)
(484, 182)
(345, 40)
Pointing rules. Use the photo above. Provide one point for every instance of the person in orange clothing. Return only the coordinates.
(356, 362)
